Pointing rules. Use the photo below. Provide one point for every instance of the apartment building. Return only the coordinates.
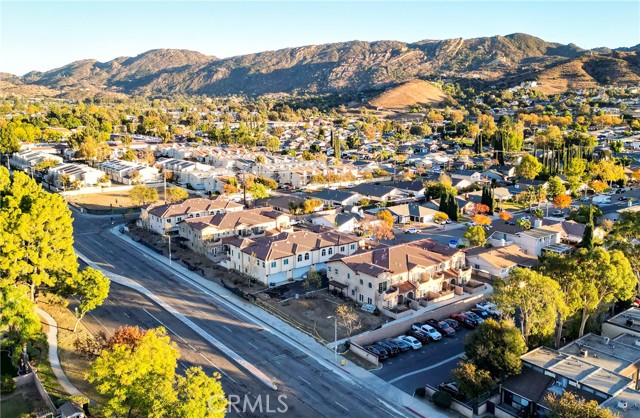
(127, 172)
(289, 255)
(390, 277)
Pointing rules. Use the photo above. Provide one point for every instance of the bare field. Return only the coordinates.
(410, 93)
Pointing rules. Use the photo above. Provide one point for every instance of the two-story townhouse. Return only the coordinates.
(333, 198)
(163, 219)
(533, 241)
(498, 262)
(287, 256)
(128, 172)
(393, 276)
(205, 234)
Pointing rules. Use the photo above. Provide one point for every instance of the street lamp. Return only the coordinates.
(169, 239)
(335, 339)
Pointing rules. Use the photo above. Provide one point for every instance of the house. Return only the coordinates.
(79, 175)
(163, 219)
(205, 234)
(281, 203)
(594, 367)
(29, 159)
(625, 322)
(414, 188)
(412, 212)
(344, 222)
(533, 241)
(127, 172)
(332, 198)
(286, 256)
(571, 232)
(379, 193)
(494, 263)
(463, 179)
(389, 277)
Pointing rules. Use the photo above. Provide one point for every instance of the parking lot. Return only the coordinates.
(432, 364)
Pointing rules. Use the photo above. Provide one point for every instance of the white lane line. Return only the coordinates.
(227, 328)
(166, 326)
(341, 406)
(252, 345)
(300, 377)
(217, 368)
(426, 368)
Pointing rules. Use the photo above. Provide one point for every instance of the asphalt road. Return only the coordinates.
(312, 389)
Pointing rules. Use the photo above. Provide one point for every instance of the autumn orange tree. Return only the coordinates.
(479, 208)
(598, 186)
(505, 216)
(562, 201)
(481, 220)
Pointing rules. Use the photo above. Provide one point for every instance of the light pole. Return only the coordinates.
(169, 239)
(335, 339)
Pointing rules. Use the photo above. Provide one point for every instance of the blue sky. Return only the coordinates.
(48, 34)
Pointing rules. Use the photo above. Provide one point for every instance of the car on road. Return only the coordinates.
(429, 330)
(557, 212)
(453, 323)
(452, 389)
(475, 316)
(471, 224)
(442, 327)
(378, 351)
(391, 348)
(464, 320)
(526, 218)
(412, 231)
(400, 345)
(623, 198)
(420, 336)
(413, 342)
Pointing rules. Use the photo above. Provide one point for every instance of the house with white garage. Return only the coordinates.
(492, 263)
(412, 212)
(532, 241)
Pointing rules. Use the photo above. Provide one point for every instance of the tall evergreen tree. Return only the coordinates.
(444, 196)
(587, 236)
(453, 208)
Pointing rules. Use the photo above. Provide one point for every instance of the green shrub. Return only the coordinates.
(7, 384)
(420, 392)
(442, 399)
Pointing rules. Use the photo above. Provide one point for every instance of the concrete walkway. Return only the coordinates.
(383, 390)
(52, 339)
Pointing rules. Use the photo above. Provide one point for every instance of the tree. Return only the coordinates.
(570, 405)
(143, 195)
(603, 277)
(555, 187)
(452, 207)
(310, 205)
(562, 201)
(17, 315)
(482, 220)
(598, 186)
(348, 318)
(624, 236)
(535, 298)
(440, 217)
(480, 209)
(505, 216)
(36, 235)
(386, 217)
(587, 235)
(176, 194)
(92, 288)
(529, 167)
(524, 223)
(472, 381)
(199, 396)
(272, 144)
(313, 280)
(476, 235)
(496, 347)
(382, 230)
(258, 191)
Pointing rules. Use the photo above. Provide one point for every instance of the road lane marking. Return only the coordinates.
(341, 406)
(166, 326)
(227, 328)
(426, 368)
(300, 377)
(252, 345)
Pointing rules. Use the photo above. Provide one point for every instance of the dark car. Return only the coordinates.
(378, 351)
(391, 348)
(452, 389)
(442, 327)
(400, 347)
(420, 336)
(622, 198)
(453, 323)
(474, 316)
(464, 320)
(481, 313)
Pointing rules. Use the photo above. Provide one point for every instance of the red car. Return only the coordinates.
(464, 320)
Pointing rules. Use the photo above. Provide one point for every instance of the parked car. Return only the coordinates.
(412, 231)
(490, 307)
(400, 345)
(429, 330)
(391, 348)
(453, 323)
(622, 198)
(420, 336)
(473, 315)
(481, 313)
(442, 327)
(413, 342)
(368, 307)
(452, 389)
(464, 320)
(557, 212)
(378, 351)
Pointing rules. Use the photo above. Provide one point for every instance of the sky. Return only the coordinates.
(43, 35)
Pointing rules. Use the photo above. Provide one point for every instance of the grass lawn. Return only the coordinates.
(14, 406)
(74, 365)
(102, 201)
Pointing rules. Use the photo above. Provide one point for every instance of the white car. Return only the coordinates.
(415, 344)
(429, 330)
(412, 231)
(491, 308)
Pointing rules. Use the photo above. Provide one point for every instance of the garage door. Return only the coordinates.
(277, 278)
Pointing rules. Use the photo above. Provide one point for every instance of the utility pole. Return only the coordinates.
(335, 339)
(164, 177)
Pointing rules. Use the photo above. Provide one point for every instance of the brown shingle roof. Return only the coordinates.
(195, 205)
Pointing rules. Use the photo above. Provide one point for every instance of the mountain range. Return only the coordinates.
(354, 66)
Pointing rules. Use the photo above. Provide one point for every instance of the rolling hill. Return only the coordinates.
(354, 66)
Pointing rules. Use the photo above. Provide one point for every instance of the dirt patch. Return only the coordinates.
(116, 199)
(408, 94)
(74, 365)
(23, 401)
(310, 314)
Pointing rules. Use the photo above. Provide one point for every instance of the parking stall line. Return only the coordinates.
(426, 368)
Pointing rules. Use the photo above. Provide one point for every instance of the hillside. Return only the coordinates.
(354, 66)
(409, 93)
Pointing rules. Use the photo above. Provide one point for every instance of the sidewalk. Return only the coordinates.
(52, 339)
(393, 396)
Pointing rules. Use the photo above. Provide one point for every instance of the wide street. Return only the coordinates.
(311, 387)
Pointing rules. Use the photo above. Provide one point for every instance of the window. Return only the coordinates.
(299, 257)
(336, 270)
(342, 249)
(306, 256)
(348, 275)
(353, 292)
(353, 246)
(476, 266)
(382, 287)
(369, 301)
(258, 262)
(169, 221)
(324, 252)
(273, 264)
(286, 261)
(330, 251)
(370, 285)
(361, 281)
(263, 264)
(361, 298)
